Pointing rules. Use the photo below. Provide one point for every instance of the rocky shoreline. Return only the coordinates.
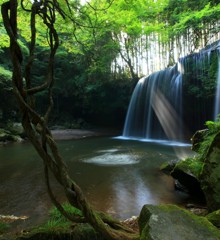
(16, 134)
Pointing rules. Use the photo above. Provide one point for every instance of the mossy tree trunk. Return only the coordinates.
(36, 125)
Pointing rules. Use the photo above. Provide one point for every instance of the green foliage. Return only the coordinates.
(57, 223)
(89, 44)
(55, 214)
(214, 218)
(196, 19)
(3, 227)
(213, 127)
(5, 77)
(203, 143)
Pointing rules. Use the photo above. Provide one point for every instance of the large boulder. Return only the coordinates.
(210, 176)
(169, 222)
(214, 218)
(187, 173)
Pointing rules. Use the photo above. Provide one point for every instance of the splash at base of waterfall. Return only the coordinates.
(159, 141)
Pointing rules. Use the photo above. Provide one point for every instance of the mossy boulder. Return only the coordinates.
(214, 218)
(16, 128)
(173, 223)
(198, 138)
(186, 173)
(210, 176)
(80, 231)
(7, 136)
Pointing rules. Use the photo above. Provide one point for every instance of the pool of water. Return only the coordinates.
(117, 176)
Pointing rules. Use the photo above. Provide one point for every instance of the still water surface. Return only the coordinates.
(117, 176)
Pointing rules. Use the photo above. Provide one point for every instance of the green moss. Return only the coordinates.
(214, 218)
(56, 215)
(53, 226)
(59, 230)
(3, 227)
(174, 221)
(192, 166)
(57, 222)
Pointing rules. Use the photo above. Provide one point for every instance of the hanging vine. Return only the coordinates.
(36, 125)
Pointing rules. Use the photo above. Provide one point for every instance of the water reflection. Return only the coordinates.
(129, 196)
(116, 176)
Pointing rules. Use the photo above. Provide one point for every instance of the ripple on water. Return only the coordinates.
(111, 158)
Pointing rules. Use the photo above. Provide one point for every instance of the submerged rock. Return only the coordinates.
(169, 222)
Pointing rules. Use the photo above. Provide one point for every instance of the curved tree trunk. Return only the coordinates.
(35, 125)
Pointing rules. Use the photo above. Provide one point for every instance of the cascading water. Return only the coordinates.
(217, 95)
(142, 117)
(156, 107)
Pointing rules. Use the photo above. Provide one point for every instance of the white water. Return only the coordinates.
(217, 95)
(145, 112)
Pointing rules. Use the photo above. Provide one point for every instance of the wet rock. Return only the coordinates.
(210, 176)
(214, 218)
(16, 128)
(168, 167)
(173, 223)
(186, 174)
(77, 232)
(7, 136)
(198, 138)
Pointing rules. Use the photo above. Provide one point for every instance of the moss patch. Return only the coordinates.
(191, 166)
(172, 222)
(3, 227)
(59, 228)
(214, 218)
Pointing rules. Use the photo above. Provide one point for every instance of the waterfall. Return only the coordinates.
(142, 119)
(217, 95)
(168, 103)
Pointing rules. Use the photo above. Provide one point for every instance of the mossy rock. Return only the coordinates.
(187, 173)
(191, 166)
(198, 138)
(173, 223)
(16, 128)
(167, 167)
(214, 218)
(210, 176)
(7, 136)
(80, 231)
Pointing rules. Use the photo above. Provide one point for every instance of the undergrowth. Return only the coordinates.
(57, 222)
(3, 227)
